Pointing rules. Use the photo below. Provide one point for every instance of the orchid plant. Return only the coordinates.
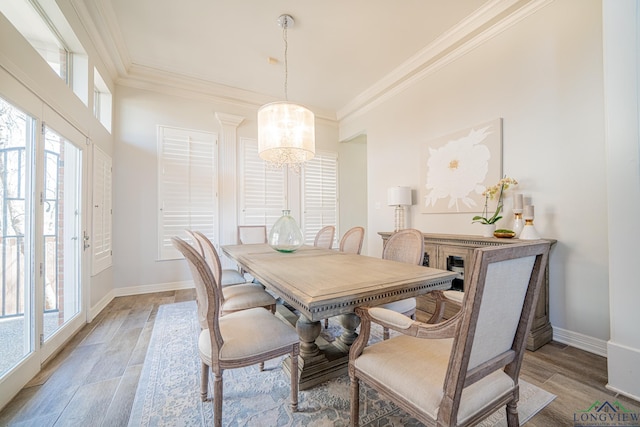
(490, 193)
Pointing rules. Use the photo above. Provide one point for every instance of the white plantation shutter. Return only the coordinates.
(263, 189)
(102, 212)
(186, 185)
(320, 194)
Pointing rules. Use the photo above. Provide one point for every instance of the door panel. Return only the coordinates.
(43, 180)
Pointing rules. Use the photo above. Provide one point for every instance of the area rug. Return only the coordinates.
(168, 392)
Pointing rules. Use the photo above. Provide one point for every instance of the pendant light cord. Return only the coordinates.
(286, 63)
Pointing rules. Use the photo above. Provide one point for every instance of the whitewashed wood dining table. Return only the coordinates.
(322, 283)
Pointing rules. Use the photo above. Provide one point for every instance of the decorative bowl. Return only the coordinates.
(504, 234)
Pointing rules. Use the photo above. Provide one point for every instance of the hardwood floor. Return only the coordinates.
(93, 380)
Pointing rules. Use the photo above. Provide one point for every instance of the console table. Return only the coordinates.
(454, 252)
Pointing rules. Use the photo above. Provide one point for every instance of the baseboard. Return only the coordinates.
(583, 342)
(623, 373)
(96, 309)
(152, 288)
(136, 290)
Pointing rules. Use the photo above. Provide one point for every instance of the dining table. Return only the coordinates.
(322, 283)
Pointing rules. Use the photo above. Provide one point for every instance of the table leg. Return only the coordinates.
(308, 331)
(350, 323)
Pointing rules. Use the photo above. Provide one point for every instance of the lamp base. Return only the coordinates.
(399, 222)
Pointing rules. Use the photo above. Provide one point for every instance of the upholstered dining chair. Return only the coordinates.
(229, 276)
(237, 297)
(461, 370)
(403, 246)
(248, 234)
(251, 234)
(236, 340)
(351, 243)
(324, 237)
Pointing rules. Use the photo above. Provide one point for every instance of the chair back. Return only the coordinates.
(207, 292)
(351, 241)
(248, 234)
(211, 258)
(504, 284)
(324, 237)
(196, 244)
(405, 246)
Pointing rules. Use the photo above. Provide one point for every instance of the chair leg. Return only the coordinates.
(294, 378)
(512, 414)
(217, 399)
(204, 382)
(261, 366)
(355, 402)
(385, 333)
(326, 323)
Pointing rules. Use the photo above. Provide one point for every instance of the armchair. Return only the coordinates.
(461, 370)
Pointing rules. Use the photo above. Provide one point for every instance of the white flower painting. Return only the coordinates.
(457, 168)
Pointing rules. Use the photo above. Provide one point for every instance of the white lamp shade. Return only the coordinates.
(286, 133)
(399, 196)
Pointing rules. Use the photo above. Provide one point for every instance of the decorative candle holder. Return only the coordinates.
(518, 222)
(528, 231)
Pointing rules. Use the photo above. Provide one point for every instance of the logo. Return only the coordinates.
(606, 414)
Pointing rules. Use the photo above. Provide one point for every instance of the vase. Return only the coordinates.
(518, 222)
(285, 235)
(488, 229)
(528, 231)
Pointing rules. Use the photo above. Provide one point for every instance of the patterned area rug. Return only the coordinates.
(169, 391)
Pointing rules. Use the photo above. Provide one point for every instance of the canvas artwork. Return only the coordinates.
(456, 169)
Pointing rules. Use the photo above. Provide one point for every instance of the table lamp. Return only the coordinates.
(399, 197)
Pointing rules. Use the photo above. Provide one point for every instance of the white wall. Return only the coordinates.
(352, 157)
(543, 76)
(138, 112)
(622, 88)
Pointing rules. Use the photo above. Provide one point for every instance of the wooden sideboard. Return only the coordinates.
(454, 252)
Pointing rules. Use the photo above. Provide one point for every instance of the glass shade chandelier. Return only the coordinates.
(286, 131)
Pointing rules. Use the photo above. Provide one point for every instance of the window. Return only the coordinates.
(187, 183)
(263, 190)
(320, 194)
(101, 100)
(102, 212)
(44, 26)
(266, 191)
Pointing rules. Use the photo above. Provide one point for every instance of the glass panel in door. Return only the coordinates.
(17, 139)
(61, 231)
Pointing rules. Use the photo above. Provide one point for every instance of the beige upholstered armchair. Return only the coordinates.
(324, 237)
(403, 246)
(238, 339)
(459, 371)
(237, 297)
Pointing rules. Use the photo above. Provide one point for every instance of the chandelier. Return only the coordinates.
(286, 132)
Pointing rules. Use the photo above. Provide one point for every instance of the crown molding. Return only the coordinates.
(104, 33)
(156, 80)
(488, 21)
(491, 19)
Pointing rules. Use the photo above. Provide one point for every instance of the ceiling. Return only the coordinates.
(337, 49)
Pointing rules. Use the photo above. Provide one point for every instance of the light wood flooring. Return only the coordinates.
(93, 380)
